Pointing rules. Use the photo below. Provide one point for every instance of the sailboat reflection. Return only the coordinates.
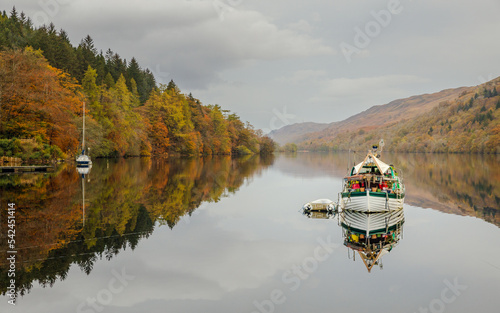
(83, 171)
(371, 235)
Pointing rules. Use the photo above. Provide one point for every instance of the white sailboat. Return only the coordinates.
(83, 161)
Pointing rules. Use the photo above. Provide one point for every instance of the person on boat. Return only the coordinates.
(355, 185)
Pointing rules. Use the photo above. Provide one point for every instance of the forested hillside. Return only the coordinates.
(376, 116)
(469, 123)
(44, 81)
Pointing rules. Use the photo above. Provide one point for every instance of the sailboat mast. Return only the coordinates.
(83, 140)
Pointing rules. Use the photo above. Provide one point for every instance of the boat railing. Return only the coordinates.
(360, 183)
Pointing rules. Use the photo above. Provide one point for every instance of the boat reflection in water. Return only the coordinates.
(84, 171)
(371, 235)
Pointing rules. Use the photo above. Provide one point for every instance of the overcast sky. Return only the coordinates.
(277, 62)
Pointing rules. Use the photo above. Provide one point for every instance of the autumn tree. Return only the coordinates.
(127, 113)
(37, 100)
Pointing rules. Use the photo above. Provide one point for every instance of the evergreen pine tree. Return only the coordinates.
(172, 86)
(64, 54)
(117, 66)
(22, 18)
(147, 86)
(13, 15)
(86, 56)
(134, 72)
(100, 64)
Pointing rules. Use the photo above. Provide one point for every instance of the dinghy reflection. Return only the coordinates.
(371, 235)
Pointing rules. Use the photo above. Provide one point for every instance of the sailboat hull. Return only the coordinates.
(83, 161)
(83, 164)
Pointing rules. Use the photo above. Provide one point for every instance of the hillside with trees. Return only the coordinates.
(376, 116)
(468, 124)
(44, 81)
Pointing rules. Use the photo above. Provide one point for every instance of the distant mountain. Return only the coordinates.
(394, 111)
(374, 117)
(465, 119)
(290, 133)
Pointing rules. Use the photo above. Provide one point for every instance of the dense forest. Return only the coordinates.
(44, 82)
(468, 124)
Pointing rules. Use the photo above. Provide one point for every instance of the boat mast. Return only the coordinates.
(83, 140)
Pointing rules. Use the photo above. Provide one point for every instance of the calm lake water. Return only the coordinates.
(228, 235)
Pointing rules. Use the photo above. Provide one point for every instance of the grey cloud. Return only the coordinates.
(275, 49)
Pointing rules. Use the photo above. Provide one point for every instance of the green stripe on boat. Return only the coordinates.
(372, 194)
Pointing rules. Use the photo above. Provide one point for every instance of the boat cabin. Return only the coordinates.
(373, 175)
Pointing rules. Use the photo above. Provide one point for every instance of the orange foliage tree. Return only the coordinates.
(37, 100)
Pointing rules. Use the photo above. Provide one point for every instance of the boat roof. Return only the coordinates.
(370, 158)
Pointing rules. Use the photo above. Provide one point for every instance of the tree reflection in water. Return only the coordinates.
(124, 200)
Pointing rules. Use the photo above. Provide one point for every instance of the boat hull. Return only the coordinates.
(369, 224)
(83, 161)
(320, 205)
(369, 201)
